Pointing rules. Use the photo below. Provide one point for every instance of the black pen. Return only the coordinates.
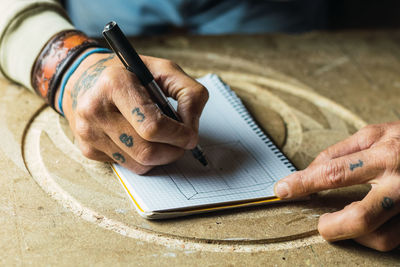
(131, 60)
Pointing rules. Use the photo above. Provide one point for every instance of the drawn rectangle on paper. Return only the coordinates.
(233, 170)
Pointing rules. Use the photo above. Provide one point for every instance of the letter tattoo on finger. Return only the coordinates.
(356, 165)
(139, 114)
(387, 203)
(118, 157)
(126, 139)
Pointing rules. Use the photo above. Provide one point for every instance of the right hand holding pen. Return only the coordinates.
(114, 119)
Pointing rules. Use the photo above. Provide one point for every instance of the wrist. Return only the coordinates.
(54, 59)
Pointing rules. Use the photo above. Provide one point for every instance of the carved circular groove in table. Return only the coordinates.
(90, 190)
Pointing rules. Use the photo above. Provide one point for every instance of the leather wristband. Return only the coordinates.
(54, 59)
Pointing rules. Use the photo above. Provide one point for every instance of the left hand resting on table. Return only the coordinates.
(372, 155)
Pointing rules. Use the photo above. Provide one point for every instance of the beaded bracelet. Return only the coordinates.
(71, 71)
(54, 60)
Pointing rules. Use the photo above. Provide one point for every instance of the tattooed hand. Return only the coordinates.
(372, 156)
(114, 119)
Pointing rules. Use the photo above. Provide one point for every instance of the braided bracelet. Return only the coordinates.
(54, 60)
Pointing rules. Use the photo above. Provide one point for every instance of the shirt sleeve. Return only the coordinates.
(25, 27)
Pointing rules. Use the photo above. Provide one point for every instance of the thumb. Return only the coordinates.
(190, 94)
(191, 101)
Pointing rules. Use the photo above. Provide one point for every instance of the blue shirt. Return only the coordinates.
(148, 17)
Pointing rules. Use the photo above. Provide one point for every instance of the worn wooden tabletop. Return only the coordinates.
(307, 91)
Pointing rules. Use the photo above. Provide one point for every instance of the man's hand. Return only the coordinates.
(372, 155)
(114, 119)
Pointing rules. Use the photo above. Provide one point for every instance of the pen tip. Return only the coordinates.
(203, 161)
(199, 155)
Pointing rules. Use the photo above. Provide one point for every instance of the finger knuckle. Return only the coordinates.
(362, 220)
(392, 153)
(369, 134)
(150, 129)
(169, 64)
(88, 107)
(324, 155)
(163, 63)
(303, 183)
(178, 154)
(85, 131)
(372, 128)
(147, 155)
(190, 139)
(201, 93)
(385, 242)
(89, 151)
(141, 169)
(107, 77)
(333, 173)
(110, 76)
(395, 145)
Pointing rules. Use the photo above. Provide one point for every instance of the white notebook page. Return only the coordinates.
(243, 163)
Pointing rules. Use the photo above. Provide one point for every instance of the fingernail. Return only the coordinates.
(282, 190)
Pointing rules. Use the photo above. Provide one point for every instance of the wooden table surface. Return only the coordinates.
(307, 91)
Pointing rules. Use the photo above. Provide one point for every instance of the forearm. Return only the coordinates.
(25, 28)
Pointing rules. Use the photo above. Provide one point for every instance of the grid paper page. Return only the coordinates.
(243, 163)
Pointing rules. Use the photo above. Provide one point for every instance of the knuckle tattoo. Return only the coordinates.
(139, 116)
(126, 139)
(353, 166)
(387, 203)
(118, 157)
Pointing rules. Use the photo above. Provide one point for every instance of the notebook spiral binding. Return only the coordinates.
(238, 105)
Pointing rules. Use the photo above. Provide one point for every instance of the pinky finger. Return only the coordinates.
(94, 154)
(385, 238)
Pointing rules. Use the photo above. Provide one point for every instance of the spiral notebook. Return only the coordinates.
(244, 165)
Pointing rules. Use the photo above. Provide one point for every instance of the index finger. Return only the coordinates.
(357, 168)
(361, 140)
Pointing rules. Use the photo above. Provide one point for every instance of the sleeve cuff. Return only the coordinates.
(24, 39)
